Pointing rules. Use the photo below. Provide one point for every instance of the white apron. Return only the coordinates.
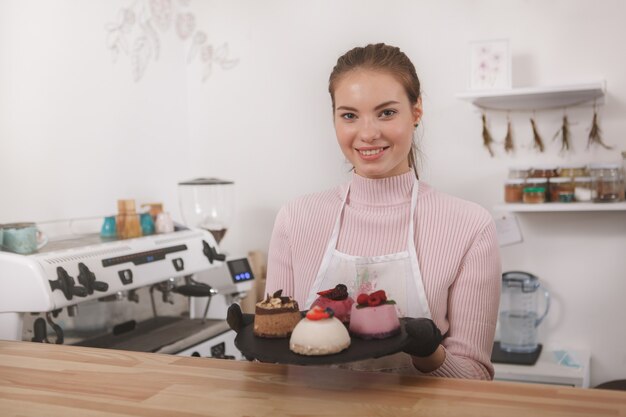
(398, 274)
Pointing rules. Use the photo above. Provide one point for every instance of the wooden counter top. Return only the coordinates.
(53, 380)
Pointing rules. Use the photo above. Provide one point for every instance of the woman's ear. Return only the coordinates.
(417, 112)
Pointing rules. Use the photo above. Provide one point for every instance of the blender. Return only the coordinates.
(519, 318)
(207, 203)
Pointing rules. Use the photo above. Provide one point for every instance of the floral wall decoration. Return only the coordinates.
(138, 29)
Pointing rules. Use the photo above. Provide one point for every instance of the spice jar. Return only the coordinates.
(561, 189)
(535, 190)
(519, 172)
(572, 170)
(608, 182)
(513, 190)
(543, 171)
(583, 191)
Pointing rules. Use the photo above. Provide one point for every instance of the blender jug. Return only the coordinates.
(519, 315)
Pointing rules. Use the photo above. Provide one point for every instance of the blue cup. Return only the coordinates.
(22, 238)
(147, 224)
(109, 228)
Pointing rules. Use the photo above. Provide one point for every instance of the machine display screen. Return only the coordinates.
(240, 270)
(143, 257)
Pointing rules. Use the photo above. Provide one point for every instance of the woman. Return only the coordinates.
(436, 255)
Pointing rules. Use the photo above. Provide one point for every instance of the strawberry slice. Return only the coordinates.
(318, 313)
(326, 292)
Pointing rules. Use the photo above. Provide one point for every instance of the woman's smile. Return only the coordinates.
(371, 153)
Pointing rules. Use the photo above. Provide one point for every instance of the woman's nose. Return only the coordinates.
(369, 131)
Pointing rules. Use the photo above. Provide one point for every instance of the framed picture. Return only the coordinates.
(490, 65)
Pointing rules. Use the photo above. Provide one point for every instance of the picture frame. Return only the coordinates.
(490, 65)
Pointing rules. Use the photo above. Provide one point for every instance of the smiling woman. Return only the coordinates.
(435, 255)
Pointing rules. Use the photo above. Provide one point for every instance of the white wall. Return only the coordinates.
(77, 132)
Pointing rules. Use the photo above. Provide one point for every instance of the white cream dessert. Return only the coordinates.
(319, 333)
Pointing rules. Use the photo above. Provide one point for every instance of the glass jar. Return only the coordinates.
(535, 190)
(513, 190)
(561, 189)
(608, 182)
(583, 190)
(573, 170)
(518, 172)
(543, 171)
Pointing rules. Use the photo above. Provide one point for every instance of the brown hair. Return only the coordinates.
(380, 57)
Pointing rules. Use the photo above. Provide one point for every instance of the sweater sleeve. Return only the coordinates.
(279, 259)
(473, 305)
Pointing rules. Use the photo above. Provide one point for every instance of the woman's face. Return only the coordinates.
(374, 123)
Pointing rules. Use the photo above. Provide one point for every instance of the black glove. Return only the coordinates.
(236, 319)
(424, 337)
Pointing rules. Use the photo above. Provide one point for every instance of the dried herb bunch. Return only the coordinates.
(565, 134)
(595, 132)
(508, 139)
(537, 140)
(487, 139)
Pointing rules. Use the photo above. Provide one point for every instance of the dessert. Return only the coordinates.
(374, 317)
(338, 300)
(319, 333)
(276, 316)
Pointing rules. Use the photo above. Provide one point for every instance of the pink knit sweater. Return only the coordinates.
(457, 251)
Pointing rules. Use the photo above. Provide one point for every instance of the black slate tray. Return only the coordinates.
(277, 350)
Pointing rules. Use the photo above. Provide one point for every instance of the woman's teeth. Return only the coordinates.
(371, 152)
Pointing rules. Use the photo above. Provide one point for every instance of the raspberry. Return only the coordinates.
(381, 294)
(362, 299)
(374, 300)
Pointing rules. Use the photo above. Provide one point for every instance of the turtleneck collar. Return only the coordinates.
(382, 192)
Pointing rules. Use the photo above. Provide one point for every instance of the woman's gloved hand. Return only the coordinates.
(236, 319)
(424, 337)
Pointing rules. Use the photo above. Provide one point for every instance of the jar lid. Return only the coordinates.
(534, 190)
(206, 181)
(515, 181)
(536, 180)
(519, 168)
(605, 165)
(560, 179)
(582, 179)
(573, 165)
(528, 282)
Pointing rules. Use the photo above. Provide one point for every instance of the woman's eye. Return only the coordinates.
(388, 113)
(348, 116)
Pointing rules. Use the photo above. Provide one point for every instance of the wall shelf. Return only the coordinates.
(538, 98)
(560, 207)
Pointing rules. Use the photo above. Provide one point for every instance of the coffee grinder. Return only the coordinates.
(208, 203)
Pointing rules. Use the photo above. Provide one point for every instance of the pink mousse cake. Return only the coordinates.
(374, 317)
(336, 299)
